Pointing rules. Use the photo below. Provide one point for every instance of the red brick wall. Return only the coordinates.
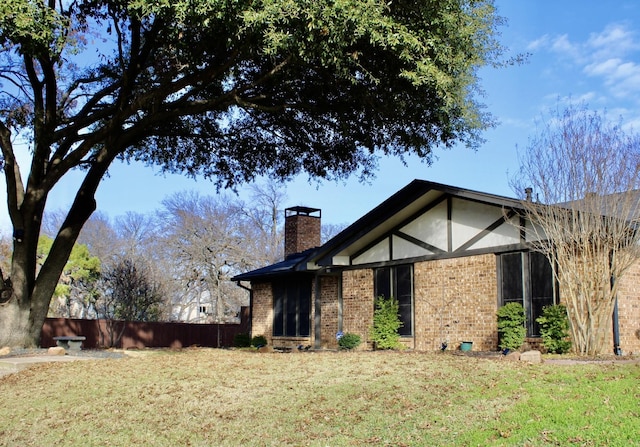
(357, 303)
(456, 300)
(262, 317)
(301, 232)
(329, 307)
(629, 310)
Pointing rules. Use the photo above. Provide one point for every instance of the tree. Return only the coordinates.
(584, 172)
(264, 216)
(131, 295)
(76, 290)
(205, 239)
(224, 89)
(328, 231)
(5, 266)
(100, 236)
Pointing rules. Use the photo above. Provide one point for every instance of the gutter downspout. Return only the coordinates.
(616, 330)
(616, 323)
(250, 290)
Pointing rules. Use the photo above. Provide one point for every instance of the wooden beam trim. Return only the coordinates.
(418, 242)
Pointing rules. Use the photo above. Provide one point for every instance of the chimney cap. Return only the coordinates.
(301, 211)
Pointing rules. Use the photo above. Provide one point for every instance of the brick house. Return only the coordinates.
(450, 256)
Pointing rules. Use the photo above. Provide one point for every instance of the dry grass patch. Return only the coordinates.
(219, 397)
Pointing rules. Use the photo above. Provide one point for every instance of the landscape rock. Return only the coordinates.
(512, 356)
(5, 350)
(531, 356)
(56, 350)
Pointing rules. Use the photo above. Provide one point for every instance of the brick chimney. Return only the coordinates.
(301, 229)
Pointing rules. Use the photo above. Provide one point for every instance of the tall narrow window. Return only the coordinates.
(291, 307)
(397, 282)
(527, 278)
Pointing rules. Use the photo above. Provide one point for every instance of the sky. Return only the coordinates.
(580, 51)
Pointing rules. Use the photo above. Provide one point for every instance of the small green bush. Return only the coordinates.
(386, 322)
(349, 341)
(511, 330)
(554, 329)
(259, 341)
(242, 340)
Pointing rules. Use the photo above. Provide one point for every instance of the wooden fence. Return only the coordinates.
(146, 335)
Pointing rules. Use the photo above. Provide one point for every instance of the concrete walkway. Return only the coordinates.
(11, 365)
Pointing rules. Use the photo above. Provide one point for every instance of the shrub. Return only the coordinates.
(242, 340)
(386, 322)
(258, 341)
(554, 329)
(511, 330)
(349, 341)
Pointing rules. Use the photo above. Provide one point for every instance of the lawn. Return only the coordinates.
(209, 397)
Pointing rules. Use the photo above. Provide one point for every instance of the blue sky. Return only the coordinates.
(584, 50)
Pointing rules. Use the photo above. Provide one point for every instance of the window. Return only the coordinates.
(292, 307)
(397, 282)
(527, 278)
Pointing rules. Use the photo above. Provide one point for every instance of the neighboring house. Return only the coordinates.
(450, 256)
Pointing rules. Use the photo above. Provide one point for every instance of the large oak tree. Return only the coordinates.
(228, 89)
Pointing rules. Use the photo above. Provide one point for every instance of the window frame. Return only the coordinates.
(529, 289)
(390, 286)
(291, 307)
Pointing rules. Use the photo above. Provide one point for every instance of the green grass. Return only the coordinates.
(205, 397)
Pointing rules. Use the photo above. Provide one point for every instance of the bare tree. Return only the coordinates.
(330, 230)
(136, 232)
(204, 236)
(101, 237)
(584, 172)
(131, 295)
(264, 223)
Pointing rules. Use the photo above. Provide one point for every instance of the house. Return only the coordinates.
(451, 257)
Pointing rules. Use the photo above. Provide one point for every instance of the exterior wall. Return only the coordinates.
(329, 298)
(262, 323)
(357, 303)
(262, 316)
(456, 300)
(629, 311)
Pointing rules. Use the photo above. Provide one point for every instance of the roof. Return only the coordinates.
(414, 196)
(624, 205)
(292, 263)
(407, 201)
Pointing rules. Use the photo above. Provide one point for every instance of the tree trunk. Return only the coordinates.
(14, 331)
(589, 328)
(23, 315)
